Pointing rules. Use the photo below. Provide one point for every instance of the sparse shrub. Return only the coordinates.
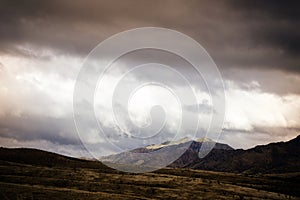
(241, 197)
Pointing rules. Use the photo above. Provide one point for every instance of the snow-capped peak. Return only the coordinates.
(177, 142)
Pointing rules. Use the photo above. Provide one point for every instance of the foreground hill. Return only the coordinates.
(43, 158)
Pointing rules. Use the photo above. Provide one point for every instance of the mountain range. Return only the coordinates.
(278, 157)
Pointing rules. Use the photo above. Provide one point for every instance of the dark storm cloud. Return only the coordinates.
(72, 26)
(256, 34)
(289, 10)
(274, 24)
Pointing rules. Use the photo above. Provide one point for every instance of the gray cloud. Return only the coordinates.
(26, 128)
(202, 108)
(257, 34)
(260, 135)
(271, 81)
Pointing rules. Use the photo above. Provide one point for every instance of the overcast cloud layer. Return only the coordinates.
(255, 44)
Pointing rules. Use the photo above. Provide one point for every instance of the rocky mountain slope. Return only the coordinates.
(278, 157)
(161, 154)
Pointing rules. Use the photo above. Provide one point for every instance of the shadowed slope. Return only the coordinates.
(48, 159)
(278, 157)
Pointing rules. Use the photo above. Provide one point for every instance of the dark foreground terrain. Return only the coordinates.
(35, 174)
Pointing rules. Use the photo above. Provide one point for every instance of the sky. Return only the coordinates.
(43, 44)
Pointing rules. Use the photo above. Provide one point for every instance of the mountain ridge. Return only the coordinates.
(164, 154)
(279, 157)
(276, 157)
